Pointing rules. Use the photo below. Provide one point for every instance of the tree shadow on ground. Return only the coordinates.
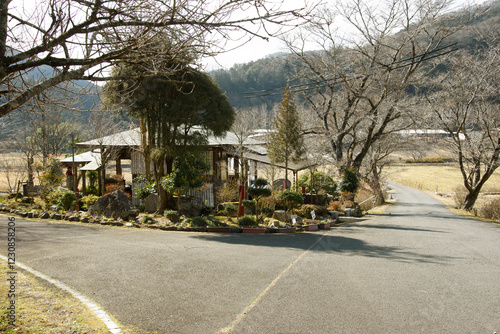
(326, 243)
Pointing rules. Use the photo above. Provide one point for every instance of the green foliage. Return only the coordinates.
(290, 198)
(229, 209)
(145, 220)
(88, 201)
(258, 190)
(267, 212)
(62, 197)
(51, 177)
(212, 221)
(188, 170)
(92, 190)
(92, 176)
(350, 181)
(247, 221)
(172, 215)
(248, 203)
(321, 181)
(198, 222)
(285, 141)
(143, 188)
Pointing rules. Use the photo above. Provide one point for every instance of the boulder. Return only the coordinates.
(280, 215)
(151, 203)
(113, 205)
(190, 207)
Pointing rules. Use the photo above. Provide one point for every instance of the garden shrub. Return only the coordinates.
(172, 215)
(143, 187)
(321, 182)
(490, 209)
(248, 221)
(198, 222)
(145, 219)
(306, 209)
(62, 197)
(229, 209)
(88, 201)
(212, 221)
(267, 212)
(349, 182)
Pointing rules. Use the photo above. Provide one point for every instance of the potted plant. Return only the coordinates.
(324, 225)
(249, 225)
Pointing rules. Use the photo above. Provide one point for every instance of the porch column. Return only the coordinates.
(84, 182)
(119, 166)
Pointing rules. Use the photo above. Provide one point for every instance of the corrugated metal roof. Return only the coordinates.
(132, 138)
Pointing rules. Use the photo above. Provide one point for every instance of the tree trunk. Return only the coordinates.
(470, 199)
(375, 185)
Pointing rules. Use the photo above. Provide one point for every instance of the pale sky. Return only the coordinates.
(258, 48)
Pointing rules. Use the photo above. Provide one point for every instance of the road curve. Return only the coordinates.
(418, 268)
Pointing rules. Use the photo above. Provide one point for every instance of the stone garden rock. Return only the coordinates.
(114, 205)
(44, 215)
(190, 207)
(279, 215)
(151, 203)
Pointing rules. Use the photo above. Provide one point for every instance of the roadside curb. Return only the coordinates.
(113, 327)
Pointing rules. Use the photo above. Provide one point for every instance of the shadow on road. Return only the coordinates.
(328, 244)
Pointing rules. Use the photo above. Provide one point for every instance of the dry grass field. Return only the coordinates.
(444, 182)
(442, 178)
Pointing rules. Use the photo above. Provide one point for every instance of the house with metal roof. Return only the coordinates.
(221, 152)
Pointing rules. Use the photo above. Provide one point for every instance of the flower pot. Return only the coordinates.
(219, 229)
(254, 230)
(311, 227)
(324, 226)
(287, 230)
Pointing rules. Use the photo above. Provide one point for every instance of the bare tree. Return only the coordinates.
(245, 122)
(13, 170)
(466, 106)
(25, 142)
(57, 41)
(357, 85)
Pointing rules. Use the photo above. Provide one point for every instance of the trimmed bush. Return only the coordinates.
(247, 221)
(198, 222)
(172, 215)
(88, 201)
(145, 220)
(267, 212)
(62, 197)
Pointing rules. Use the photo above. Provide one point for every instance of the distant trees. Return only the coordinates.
(57, 41)
(466, 104)
(285, 142)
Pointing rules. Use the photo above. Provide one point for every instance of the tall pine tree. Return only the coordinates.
(285, 142)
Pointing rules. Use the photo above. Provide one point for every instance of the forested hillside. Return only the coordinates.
(274, 72)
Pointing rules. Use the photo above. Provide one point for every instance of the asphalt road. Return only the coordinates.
(417, 269)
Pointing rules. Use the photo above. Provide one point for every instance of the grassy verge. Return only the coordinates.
(43, 308)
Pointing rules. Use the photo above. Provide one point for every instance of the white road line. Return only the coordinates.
(113, 327)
